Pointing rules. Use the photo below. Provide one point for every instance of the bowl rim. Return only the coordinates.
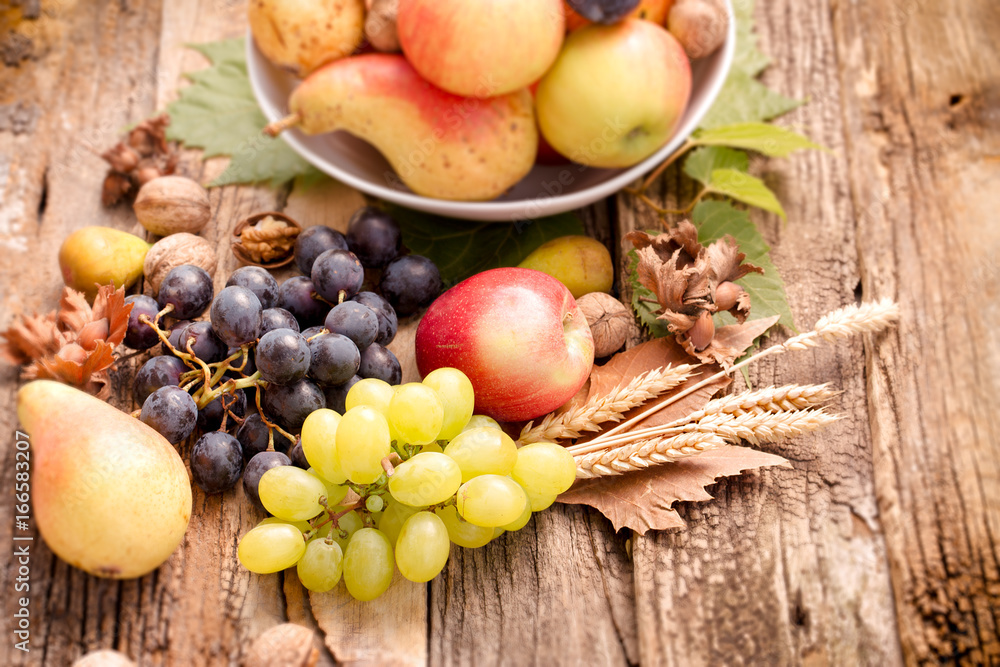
(511, 210)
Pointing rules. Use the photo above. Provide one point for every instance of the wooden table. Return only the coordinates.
(880, 546)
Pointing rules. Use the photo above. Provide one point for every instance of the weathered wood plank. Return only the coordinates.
(919, 102)
(770, 572)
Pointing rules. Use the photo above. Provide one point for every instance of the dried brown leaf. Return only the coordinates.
(644, 500)
(730, 342)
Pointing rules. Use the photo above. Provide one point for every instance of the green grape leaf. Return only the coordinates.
(219, 114)
(744, 99)
(745, 188)
(747, 58)
(700, 164)
(770, 140)
(643, 300)
(715, 219)
(461, 248)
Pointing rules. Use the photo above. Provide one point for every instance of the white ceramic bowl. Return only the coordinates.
(542, 192)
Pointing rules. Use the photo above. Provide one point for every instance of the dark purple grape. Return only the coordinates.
(409, 283)
(256, 468)
(236, 316)
(374, 237)
(210, 416)
(388, 323)
(336, 397)
(282, 356)
(216, 462)
(163, 371)
(259, 281)
(171, 412)
(244, 369)
(296, 296)
(188, 288)
(174, 336)
(603, 11)
(298, 456)
(277, 318)
(337, 275)
(379, 362)
(312, 332)
(354, 320)
(138, 335)
(334, 359)
(289, 405)
(313, 242)
(201, 339)
(253, 435)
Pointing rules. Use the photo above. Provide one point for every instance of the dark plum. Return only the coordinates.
(603, 11)
(409, 283)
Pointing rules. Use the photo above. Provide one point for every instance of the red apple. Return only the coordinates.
(481, 48)
(517, 334)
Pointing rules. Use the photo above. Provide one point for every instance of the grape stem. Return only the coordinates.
(271, 427)
(228, 387)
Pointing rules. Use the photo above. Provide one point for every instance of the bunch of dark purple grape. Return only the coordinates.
(288, 350)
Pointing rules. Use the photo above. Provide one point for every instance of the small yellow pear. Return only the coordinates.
(110, 495)
(580, 263)
(95, 256)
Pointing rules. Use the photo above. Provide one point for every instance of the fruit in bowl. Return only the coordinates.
(407, 164)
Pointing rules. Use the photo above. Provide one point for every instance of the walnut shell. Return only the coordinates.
(172, 204)
(175, 250)
(287, 644)
(609, 321)
(104, 658)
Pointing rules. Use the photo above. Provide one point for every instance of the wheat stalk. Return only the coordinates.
(610, 407)
(848, 321)
(645, 453)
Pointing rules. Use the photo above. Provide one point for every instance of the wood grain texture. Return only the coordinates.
(923, 134)
(771, 572)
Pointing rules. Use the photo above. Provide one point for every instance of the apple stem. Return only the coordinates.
(279, 126)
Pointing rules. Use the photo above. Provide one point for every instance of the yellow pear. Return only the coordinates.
(94, 256)
(440, 145)
(581, 263)
(110, 495)
(301, 35)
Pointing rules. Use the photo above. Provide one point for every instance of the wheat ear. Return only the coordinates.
(842, 323)
(645, 453)
(610, 407)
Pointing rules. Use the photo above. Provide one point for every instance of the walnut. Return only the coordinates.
(175, 250)
(609, 321)
(287, 644)
(172, 204)
(268, 239)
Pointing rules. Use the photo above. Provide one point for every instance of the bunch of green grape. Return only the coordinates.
(401, 475)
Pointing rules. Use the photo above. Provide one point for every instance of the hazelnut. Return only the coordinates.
(287, 644)
(609, 321)
(175, 250)
(703, 331)
(727, 294)
(171, 204)
(104, 658)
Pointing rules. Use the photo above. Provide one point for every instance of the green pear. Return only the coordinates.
(95, 256)
(110, 495)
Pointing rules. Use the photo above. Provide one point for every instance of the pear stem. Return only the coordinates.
(279, 126)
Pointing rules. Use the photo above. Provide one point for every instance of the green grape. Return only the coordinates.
(460, 531)
(350, 523)
(482, 451)
(497, 532)
(271, 547)
(319, 444)
(457, 397)
(303, 526)
(320, 566)
(374, 504)
(491, 500)
(433, 447)
(544, 467)
(481, 421)
(521, 521)
(416, 413)
(291, 493)
(428, 478)
(334, 492)
(362, 442)
(371, 392)
(368, 564)
(393, 518)
(422, 547)
(539, 501)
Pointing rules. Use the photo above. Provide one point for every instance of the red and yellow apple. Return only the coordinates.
(483, 48)
(615, 94)
(518, 336)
